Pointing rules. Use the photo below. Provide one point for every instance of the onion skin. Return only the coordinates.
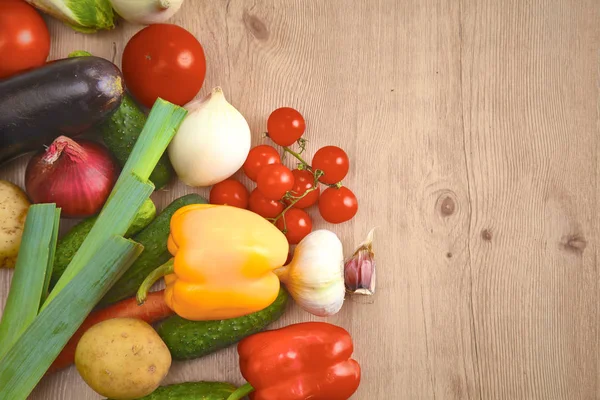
(76, 175)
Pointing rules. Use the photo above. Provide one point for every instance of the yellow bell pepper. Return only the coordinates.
(223, 264)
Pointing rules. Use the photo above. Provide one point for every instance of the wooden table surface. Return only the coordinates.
(473, 131)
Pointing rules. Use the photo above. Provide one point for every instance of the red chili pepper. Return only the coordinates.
(310, 360)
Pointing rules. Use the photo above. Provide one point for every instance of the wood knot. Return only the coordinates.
(574, 243)
(486, 235)
(447, 206)
(256, 27)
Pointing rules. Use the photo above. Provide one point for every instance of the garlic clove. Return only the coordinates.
(359, 270)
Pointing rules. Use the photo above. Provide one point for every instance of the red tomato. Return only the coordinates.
(304, 180)
(285, 126)
(24, 38)
(333, 161)
(231, 193)
(295, 224)
(264, 207)
(166, 61)
(257, 158)
(274, 181)
(338, 205)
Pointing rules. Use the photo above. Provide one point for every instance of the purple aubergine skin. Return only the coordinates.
(64, 97)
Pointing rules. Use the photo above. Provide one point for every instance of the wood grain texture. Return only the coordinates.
(472, 127)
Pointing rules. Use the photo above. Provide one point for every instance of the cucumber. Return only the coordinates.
(194, 339)
(121, 131)
(70, 243)
(154, 239)
(192, 391)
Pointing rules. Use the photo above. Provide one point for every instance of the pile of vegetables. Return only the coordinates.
(231, 264)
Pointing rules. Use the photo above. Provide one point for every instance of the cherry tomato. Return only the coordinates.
(258, 157)
(333, 161)
(338, 205)
(166, 61)
(285, 126)
(264, 207)
(24, 38)
(231, 193)
(296, 226)
(274, 181)
(304, 180)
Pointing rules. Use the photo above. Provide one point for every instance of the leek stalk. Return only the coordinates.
(34, 265)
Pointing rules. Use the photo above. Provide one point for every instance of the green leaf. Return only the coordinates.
(92, 14)
(50, 266)
(86, 16)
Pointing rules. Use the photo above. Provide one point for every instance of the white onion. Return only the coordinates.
(212, 142)
(146, 12)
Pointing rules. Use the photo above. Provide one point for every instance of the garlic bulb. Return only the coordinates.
(212, 142)
(146, 12)
(314, 277)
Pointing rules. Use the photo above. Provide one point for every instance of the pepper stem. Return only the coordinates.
(241, 392)
(165, 269)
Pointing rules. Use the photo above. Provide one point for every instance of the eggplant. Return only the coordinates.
(64, 97)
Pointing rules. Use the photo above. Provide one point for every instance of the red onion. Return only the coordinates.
(76, 175)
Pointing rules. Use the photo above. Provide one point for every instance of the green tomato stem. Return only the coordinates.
(296, 199)
(297, 156)
(241, 392)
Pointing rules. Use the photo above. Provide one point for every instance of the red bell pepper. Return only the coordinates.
(310, 360)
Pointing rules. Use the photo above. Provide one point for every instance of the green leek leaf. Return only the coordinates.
(32, 271)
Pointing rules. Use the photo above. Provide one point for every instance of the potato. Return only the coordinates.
(13, 211)
(122, 358)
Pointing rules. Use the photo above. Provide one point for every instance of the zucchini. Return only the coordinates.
(70, 243)
(154, 239)
(194, 339)
(192, 391)
(65, 97)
